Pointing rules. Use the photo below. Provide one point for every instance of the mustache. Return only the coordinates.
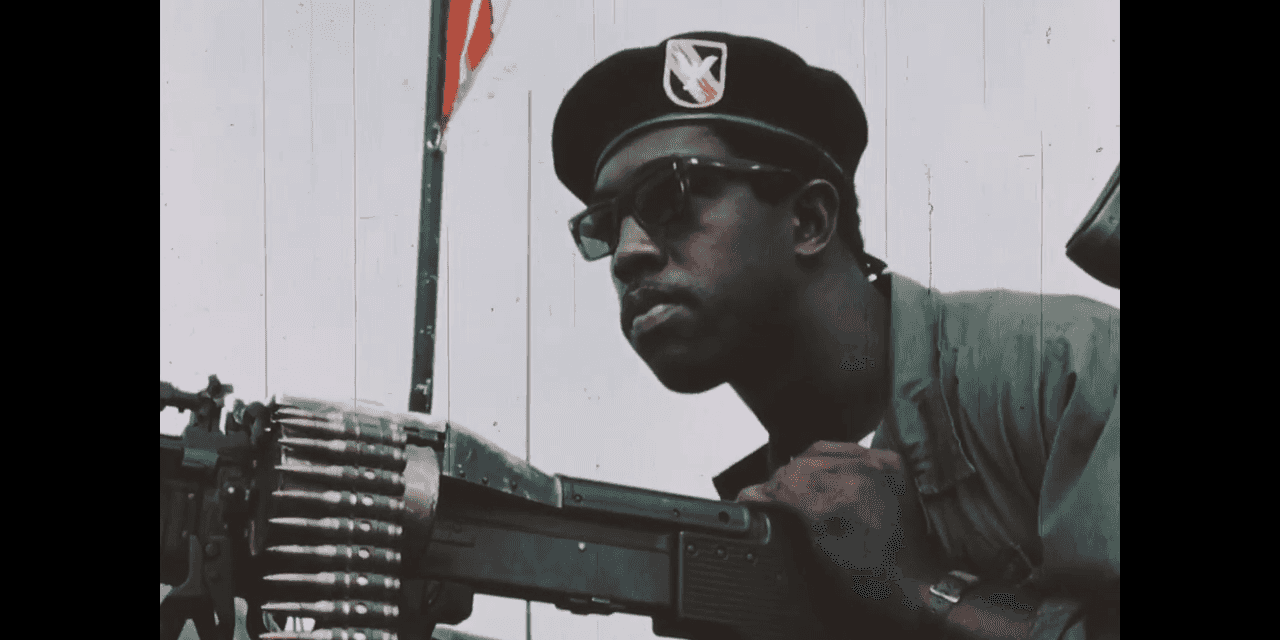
(643, 298)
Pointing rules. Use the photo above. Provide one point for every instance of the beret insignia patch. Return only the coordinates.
(694, 74)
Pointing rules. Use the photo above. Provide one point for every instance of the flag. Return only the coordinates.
(461, 34)
(472, 27)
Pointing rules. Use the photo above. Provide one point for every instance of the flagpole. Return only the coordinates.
(424, 313)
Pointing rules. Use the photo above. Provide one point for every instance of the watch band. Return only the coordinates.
(949, 590)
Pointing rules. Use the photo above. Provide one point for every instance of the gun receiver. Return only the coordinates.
(381, 524)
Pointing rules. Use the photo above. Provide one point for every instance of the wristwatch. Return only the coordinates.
(948, 591)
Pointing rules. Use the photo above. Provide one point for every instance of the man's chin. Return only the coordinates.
(683, 373)
(684, 381)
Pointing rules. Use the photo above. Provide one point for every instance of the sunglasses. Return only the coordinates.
(658, 195)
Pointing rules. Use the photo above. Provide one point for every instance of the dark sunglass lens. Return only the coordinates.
(705, 182)
(660, 200)
(595, 234)
(593, 249)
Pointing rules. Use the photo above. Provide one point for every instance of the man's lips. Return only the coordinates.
(655, 316)
(647, 307)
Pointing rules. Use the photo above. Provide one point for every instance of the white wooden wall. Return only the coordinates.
(290, 168)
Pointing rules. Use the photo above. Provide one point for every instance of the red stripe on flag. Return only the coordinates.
(482, 36)
(455, 37)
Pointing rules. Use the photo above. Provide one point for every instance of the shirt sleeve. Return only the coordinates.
(1081, 537)
(1079, 511)
(1080, 508)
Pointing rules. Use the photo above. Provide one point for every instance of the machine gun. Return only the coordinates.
(381, 525)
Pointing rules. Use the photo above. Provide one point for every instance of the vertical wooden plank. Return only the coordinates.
(309, 244)
(871, 178)
(975, 160)
(310, 148)
(211, 284)
(482, 352)
(1075, 56)
(947, 228)
(211, 203)
(390, 72)
(1009, 170)
(484, 206)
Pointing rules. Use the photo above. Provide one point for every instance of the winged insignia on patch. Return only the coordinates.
(694, 75)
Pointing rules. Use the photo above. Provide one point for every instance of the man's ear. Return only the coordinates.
(814, 217)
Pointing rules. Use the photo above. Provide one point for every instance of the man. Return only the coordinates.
(718, 171)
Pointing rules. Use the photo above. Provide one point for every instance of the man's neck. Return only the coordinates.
(825, 374)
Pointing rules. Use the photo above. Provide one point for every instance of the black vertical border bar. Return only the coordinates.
(424, 310)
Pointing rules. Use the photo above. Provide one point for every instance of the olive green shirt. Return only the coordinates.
(1006, 411)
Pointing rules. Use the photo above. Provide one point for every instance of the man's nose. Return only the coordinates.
(636, 251)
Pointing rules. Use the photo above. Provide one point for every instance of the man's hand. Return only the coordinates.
(860, 509)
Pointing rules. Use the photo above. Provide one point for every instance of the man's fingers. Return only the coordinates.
(831, 448)
(808, 464)
(874, 458)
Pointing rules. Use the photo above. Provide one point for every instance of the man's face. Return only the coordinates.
(696, 293)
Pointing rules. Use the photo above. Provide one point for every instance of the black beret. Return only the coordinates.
(701, 77)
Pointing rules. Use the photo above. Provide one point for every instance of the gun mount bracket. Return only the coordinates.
(205, 597)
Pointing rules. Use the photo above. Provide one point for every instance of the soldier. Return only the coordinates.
(988, 505)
